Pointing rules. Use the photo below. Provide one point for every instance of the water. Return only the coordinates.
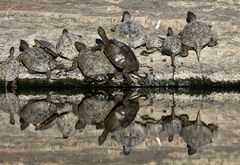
(114, 126)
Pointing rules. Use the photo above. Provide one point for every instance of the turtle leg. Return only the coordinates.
(212, 43)
(103, 137)
(148, 51)
(184, 52)
(97, 47)
(74, 66)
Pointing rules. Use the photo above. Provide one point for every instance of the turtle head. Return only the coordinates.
(80, 46)
(102, 34)
(23, 45)
(11, 51)
(170, 31)
(191, 150)
(126, 16)
(80, 125)
(64, 31)
(190, 17)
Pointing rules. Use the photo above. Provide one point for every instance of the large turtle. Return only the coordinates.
(9, 69)
(36, 60)
(65, 45)
(36, 111)
(94, 108)
(121, 116)
(9, 103)
(47, 46)
(130, 32)
(119, 54)
(197, 133)
(93, 64)
(130, 137)
(196, 35)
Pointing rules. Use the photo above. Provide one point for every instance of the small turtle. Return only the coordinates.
(9, 103)
(48, 47)
(65, 45)
(36, 111)
(196, 35)
(9, 69)
(119, 54)
(121, 116)
(93, 64)
(130, 32)
(197, 133)
(94, 108)
(130, 137)
(36, 60)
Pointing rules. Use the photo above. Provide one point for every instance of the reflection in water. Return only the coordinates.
(197, 133)
(113, 113)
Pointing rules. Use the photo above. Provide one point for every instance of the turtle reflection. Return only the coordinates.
(131, 136)
(36, 111)
(121, 116)
(197, 133)
(9, 103)
(94, 108)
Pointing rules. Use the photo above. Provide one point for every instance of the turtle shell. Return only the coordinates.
(94, 109)
(9, 69)
(65, 45)
(121, 56)
(36, 59)
(48, 48)
(9, 103)
(172, 45)
(94, 64)
(196, 34)
(35, 112)
(131, 33)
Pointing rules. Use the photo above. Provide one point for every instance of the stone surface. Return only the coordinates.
(45, 20)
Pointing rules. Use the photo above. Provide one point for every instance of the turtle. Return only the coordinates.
(196, 35)
(66, 123)
(94, 65)
(119, 54)
(9, 103)
(121, 116)
(130, 32)
(197, 133)
(47, 46)
(94, 108)
(9, 69)
(36, 111)
(36, 60)
(130, 136)
(65, 45)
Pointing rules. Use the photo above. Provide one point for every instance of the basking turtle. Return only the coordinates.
(120, 55)
(94, 108)
(121, 116)
(65, 45)
(36, 111)
(130, 32)
(130, 137)
(36, 60)
(93, 64)
(47, 46)
(9, 69)
(196, 35)
(197, 133)
(9, 103)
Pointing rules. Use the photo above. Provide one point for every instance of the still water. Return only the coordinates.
(131, 126)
